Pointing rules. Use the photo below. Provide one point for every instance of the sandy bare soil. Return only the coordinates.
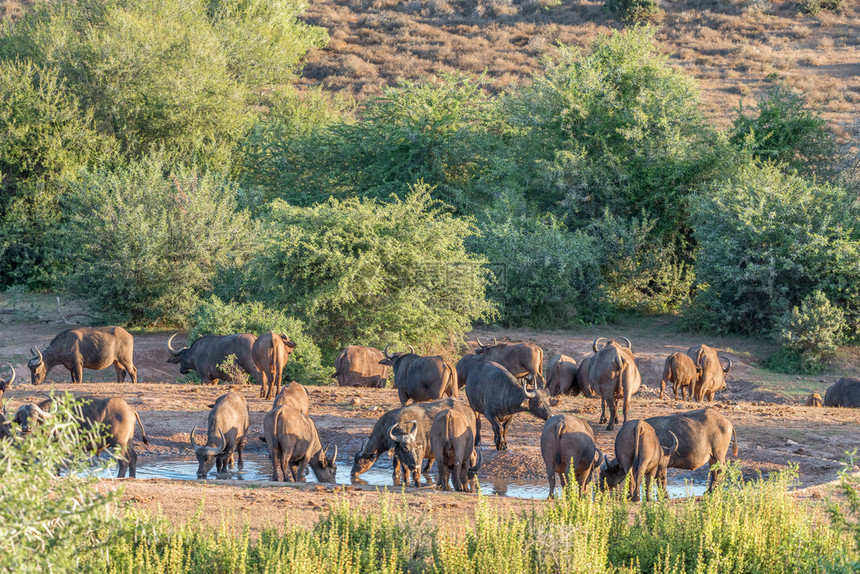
(774, 430)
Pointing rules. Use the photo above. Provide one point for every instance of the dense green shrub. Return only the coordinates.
(783, 129)
(359, 271)
(148, 241)
(544, 276)
(816, 6)
(174, 75)
(633, 10)
(813, 330)
(48, 525)
(44, 137)
(215, 317)
(768, 240)
(446, 133)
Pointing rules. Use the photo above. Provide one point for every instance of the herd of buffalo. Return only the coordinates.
(500, 380)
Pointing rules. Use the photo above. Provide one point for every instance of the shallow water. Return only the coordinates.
(258, 467)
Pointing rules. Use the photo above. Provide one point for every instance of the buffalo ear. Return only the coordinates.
(290, 344)
(212, 406)
(385, 362)
(173, 360)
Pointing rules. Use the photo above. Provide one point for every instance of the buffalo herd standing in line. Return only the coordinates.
(437, 425)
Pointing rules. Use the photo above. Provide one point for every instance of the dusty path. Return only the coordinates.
(772, 434)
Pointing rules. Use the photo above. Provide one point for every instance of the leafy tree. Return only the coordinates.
(148, 240)
(44, 138)
(633, 10)
(812, 330)
(446, 133)
(768, 240)
(215, 317)
(359, 270)
(784, 130)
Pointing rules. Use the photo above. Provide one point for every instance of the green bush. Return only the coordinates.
(783, 129)
(544, 276)
(814, 329)
(215, 317)
(768, 240)
(44, 137)
(46, 524)
(359, 271)
(633, 10)
(148, 241)
(817, 6)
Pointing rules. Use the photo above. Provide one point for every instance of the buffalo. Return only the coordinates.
(613, 372)
(568, 441)
(712, 377)
(271, 353)
(421, 378)
(294, 444)
(844, 393)
(207, 354)
(293, 395)
(396, 432)
(638, 449)
(703, 437)
(116, 416)
(520, 359)
(563, 377)
(94, 348)
(814, 400)
(358, 366)
(682, 372)
(6, 383)
(226, 431)
(494, 392)
(452, 441)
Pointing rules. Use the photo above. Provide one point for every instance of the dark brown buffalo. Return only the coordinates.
(703, 436)
(294, 444)
(844, 393)
(494, 392)
(712, 377)
(421, 378)
(116, 416)
(293, 395)
(568, 441)
(403, 433)
(682, 372)
(638, 449)
(271, 352)
(562, 379)
(613, 373)
(93, 348)
(358, 366)
(6, 383)
(814, 400)
(207, 353)
(226, 431)
(452, 440)
(464, 365)
(520, 359)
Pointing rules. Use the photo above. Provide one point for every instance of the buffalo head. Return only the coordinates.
(327, 469)
(611, 474)
(537, 403)
(29, 415)
(6, 383)
(182, 357)
(38, 371)
(206, 454)
(482, 348)
(597, 341)
(391, 359)
(404, 444)
(361, 463)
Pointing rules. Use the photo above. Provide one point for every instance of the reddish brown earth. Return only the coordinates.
(774, 429)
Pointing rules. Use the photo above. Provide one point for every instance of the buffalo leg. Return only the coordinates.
(263, 394)
(275, 457)
(648, 488)
(457, 475)
(404, 398)
(443, 477)
(477, 428)
(120, 372)
(77, 373)
(498, 436)
(602, 411)
(550, 477)
(122, 460)
(625, 406)
(611, 407)
(132, 462)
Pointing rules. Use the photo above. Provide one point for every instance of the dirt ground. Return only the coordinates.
(774, 430)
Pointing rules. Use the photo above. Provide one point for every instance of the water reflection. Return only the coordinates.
(258, 467)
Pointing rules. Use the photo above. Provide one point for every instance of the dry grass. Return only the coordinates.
(730, 46)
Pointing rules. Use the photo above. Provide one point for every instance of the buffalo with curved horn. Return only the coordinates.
(421, 378)
(6, 383)
(712, 373)
(93, 348)
(207, 354)
(520, 359)
(226, 431)
(614, 374)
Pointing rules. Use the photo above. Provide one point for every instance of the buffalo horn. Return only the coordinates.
(478, 340)
(12, 380)
(363, 446)
(495, 342)
(387, 356)
(173, 351)
(594, 344)
(675, 445)
(223, 442)
(411, 349)
(334, 456)
(193, 444)
(729, 368)
(599, 457)
(414, 432)
(391, 432)
(627, 341)
(529, 394)
(478, 462)
(41, 413)
(36, 355)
